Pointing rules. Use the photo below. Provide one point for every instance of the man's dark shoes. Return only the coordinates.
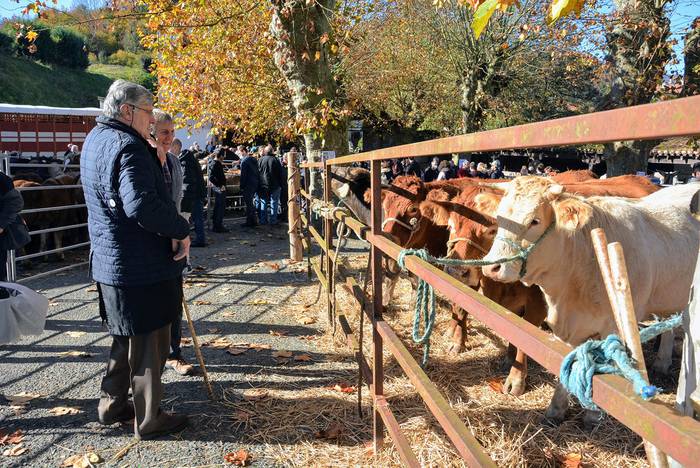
(127, 414)
(168, 423)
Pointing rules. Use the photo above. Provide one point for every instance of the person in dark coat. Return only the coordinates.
(432, 172)
(11, 203)
(413, 168)
(271, 180)
(250, 181)
(217, 180)
(194, 194)
(138, 246)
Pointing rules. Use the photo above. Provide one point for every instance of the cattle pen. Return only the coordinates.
(675, 435)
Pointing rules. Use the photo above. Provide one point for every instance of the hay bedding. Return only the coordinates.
(293, 424)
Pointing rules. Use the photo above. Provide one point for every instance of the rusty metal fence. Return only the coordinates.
(676, 435)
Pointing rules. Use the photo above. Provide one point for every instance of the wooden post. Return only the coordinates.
(328, 247)
(611, 260)
(293, 181)
(377, 345)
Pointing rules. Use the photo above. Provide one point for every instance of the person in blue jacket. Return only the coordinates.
(138, 246)
(250, 182)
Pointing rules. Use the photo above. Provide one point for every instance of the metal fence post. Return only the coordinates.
(377, 356)
(209, 207)
(10, 263)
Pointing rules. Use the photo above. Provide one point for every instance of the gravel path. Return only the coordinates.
(242, 300)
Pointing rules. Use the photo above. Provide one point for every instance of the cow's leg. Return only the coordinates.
(391, 277)
(43, 241)
(58, 243)
(556, 412)
(458, 326)
(591, 419)
(515, 382)
(664, 355)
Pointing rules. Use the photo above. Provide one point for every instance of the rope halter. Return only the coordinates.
(411, 226)
(454, 241)
(524, 252)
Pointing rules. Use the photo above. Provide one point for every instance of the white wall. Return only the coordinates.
(200, 135)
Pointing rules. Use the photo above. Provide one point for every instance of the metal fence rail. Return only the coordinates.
(675, 435)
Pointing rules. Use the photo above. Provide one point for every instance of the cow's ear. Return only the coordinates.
(571, 213)
(439, 195)
(554, 190)
(343, 191)
(486, 203)
(434, 212)
(500, 186)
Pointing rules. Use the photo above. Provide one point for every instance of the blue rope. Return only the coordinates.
(608, 356)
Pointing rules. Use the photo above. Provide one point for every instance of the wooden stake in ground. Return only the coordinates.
(197, 351)
(611, 260)
(293, 182)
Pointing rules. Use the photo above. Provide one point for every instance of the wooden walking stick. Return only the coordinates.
(611, 260)
(197, 351)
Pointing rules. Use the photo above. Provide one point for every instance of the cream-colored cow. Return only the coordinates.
(654, 231)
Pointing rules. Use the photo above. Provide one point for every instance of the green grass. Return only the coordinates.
(24, 81)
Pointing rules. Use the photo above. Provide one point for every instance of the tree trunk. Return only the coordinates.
(303, 35)
(637, 52)
(473, 103)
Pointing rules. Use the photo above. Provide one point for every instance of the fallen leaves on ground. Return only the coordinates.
(343, 388)
(10, 439)
(185, 342)
(278, 333)
(219, 343)
(214, 331)
(22, 397)
(63, 410)
(333, 431)
(255, 394)
(81, 460)
(496, 385)
(92, 289)
(306, 320)
(236, 351)
(15, 451)
(202, 302)
(282, 354)
(228, 313)
(239, 458)
(200, 285)
(259, 301)
(259, 346)
(303, 357)
(186, 286)
(273, 265)
(308, 337)
(81, 354)
(571, 460)
(242, 416)
(75, 334)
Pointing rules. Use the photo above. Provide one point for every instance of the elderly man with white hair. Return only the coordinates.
(138, 246)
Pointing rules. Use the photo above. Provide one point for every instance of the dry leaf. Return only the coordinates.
(75, 334)
(9, 439)
(282, 354)
(303, 357)
(259, 346)
(81, 354)
(571, 460)
(333, 431)
(255, 394)
(228, 313)
(242, 416)
(274, 266)
(22, 398)
(343, 388)
(201, 285)
(308, 337)
(82, 460)
(306, 320)
(202, 302)
(236, 351)
(239, 458)
(185, 342)
(259, 301)
(92, 289)
(214, 331)
(18, 409)
(278, 333)
(496, 385)
(63, 410)
(186, 286)
(219, 343)
(15, 451)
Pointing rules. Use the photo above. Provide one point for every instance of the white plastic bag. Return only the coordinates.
(23, 313)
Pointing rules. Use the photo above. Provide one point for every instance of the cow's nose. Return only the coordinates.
(491, 270)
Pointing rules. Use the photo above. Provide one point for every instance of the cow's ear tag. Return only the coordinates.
(112, 203)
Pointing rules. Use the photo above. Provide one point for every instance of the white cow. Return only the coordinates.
(654, 231)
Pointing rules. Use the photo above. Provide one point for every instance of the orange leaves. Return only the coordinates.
(333, 431)
(10, 439)
(496, 385)
(239, 458)
(571, 460)
(343, 388)
(303, 357)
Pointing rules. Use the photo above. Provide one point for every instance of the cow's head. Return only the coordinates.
(346, 180)
(472, 228)
(402, 208)
(532, 208)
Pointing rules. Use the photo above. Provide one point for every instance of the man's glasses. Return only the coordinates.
(147, 111)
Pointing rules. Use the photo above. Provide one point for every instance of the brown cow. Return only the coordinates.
(571, 177)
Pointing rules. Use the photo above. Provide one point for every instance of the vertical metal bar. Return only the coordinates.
(328, 242)
(36, 131)
(377, 357)
(19, 134)
(53, 137)
(11, 263)
(209, 207)
(307, 174)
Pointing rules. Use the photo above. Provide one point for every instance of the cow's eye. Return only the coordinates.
(412, 211)
(534, 222)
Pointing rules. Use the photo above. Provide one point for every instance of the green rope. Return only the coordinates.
(425, 294)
